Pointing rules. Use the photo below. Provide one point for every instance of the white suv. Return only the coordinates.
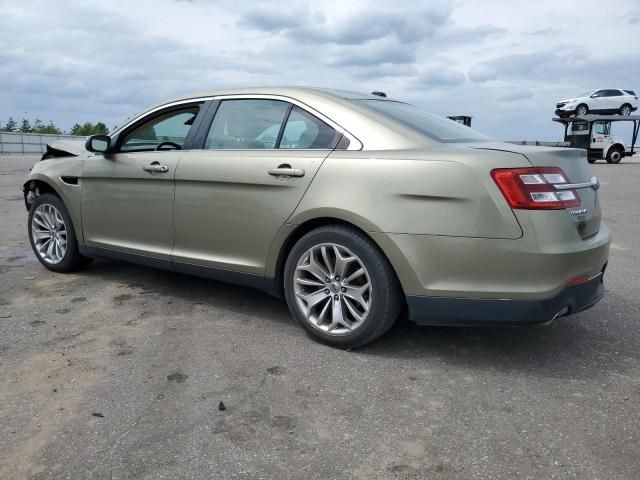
(606, 101)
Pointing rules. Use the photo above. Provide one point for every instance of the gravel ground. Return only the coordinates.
(118, 372)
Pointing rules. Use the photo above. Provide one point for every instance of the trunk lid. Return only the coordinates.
(573, 162)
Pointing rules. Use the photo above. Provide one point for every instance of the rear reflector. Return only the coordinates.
(534, 188)
(578, 281)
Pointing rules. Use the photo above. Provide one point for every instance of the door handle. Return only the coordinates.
(156, 167)
(286, 171)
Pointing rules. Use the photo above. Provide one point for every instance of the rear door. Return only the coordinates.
(258, 157)
(598, 101)
(613, 100)
(127, 196)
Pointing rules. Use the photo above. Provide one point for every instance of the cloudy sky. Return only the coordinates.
(504, 62)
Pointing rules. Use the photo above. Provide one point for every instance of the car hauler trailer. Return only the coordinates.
(593, 133)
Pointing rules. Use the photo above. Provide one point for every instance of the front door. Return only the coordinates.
(127, 196)
(259, 157)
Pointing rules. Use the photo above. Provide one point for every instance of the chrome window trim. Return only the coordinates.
(354, 143)
(143, 115)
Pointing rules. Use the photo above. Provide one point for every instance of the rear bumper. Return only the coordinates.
(471, 311)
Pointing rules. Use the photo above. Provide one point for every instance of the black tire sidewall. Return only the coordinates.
(385, 301)
(622, 107)
(72, 259)
(578, 108)
(609, 155)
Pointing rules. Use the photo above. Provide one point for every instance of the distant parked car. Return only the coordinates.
(606, 101)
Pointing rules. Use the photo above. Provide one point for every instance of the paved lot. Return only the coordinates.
(153, 353)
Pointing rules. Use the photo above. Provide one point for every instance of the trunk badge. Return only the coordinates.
(582, 211)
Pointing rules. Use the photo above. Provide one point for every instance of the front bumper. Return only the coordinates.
(482, 311)
(564, 113)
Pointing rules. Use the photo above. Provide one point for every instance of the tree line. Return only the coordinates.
(38, 126)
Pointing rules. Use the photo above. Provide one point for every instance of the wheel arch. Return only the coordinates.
(289, 240)
(36, 187)
(39, 184)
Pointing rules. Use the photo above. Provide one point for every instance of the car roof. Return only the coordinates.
(284, 91)
(370, 128)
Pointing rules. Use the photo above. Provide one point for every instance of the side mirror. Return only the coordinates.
(98, 143)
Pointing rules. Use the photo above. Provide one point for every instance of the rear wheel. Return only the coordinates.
(582, 109)
(52, 236)
(340, 287)
(625, 109)
(615, 154)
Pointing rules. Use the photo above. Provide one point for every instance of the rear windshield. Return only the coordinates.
(433, 126)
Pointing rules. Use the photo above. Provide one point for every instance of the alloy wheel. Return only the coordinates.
(332, 289)
(49, 233)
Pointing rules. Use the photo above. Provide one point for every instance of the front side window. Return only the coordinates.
(598, 94)
(433, 126)
(172, 127)
(247, 124)
(602, 128)
(303, 130)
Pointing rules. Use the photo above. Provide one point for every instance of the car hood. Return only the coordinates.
(66, 148)
(568, 100)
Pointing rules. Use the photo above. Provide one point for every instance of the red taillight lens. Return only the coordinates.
(534, 188)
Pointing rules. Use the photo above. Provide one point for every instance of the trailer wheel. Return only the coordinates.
(615, 154)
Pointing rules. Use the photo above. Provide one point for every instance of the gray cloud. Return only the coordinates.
(573, 66)
(104, 61)
(440, 76)
(408, 24)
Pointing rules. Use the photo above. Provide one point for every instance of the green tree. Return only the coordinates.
(51, 128)
(89, 128)
(75, 130)
(25, 126)
(11, 125)
(37, 126)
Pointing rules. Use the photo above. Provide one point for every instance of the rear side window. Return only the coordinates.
(613, 93)
(303, 130)
(630, 92)
(247, 124)
(433, 126)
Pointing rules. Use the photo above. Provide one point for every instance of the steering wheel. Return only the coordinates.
(168, 144)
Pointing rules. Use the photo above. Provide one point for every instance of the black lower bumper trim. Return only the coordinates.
(474, 311)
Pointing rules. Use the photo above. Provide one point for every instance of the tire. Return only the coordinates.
(614, 155)
(625, 109)
(52, 218)
(376, 286)
(591, 159)
(581, 110)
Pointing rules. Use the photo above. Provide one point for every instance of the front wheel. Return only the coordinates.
(340, 287)
(52, 236)
(582, 110)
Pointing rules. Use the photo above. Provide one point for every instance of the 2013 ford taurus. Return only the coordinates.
(349, 205)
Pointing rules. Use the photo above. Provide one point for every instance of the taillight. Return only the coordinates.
(534, 188)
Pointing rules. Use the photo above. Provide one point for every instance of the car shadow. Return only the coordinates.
(584, 346)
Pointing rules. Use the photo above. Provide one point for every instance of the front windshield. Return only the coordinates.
(585, 94)
(433, 126)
